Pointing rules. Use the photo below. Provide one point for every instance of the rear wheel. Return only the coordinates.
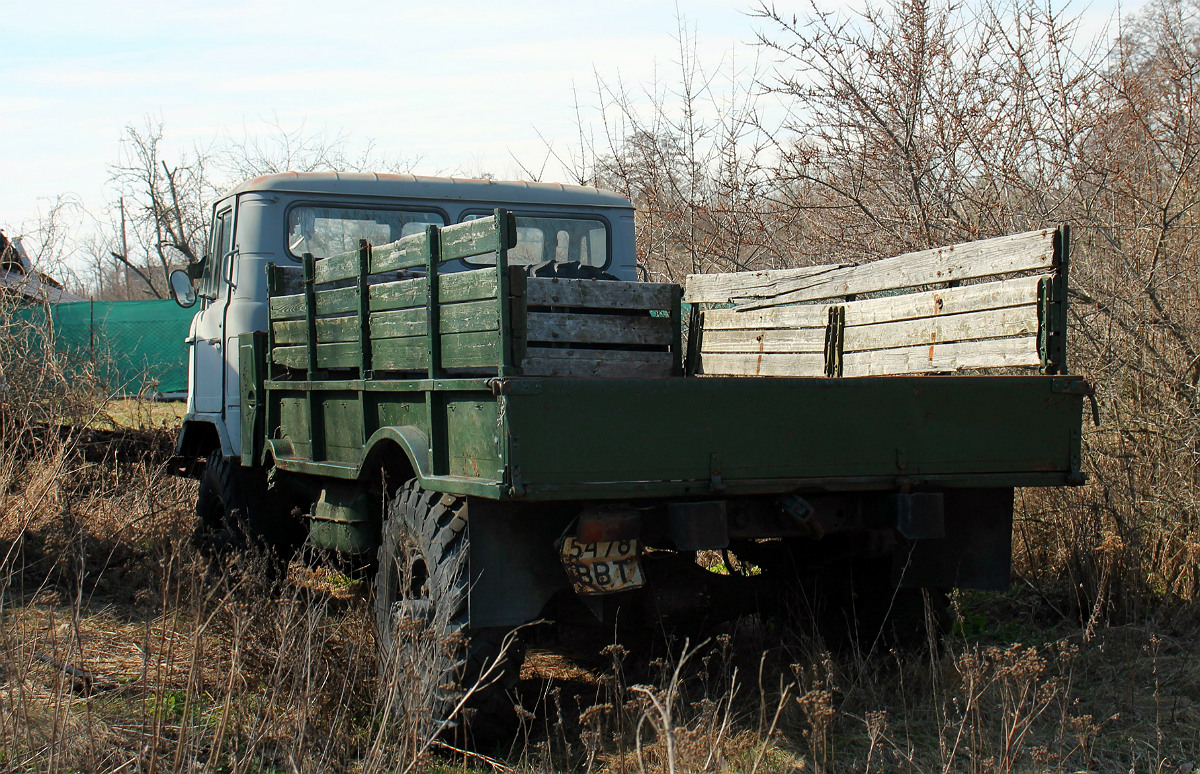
(435, 671)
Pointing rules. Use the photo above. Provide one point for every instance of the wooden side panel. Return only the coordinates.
(787, 341)
(401, 294)
(463, 240)
(943, 358)
(480, 349)
(947, 301)
(474, 285)
(747, 285)
(763, 364)
(800, 340)
(343, 355)
(404, 253)
(1030, 251)
(329, 329)
(971, 326)
(611, 329)
(398, 323)
(991, 325)
(807, 316)
(470, 316)
(550, 361)
(337, 301)
(596, 294)
(406, 353)
(342, 266)
(584, 327)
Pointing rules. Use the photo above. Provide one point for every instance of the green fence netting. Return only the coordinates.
(134, 347)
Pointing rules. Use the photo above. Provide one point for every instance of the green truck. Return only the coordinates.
(463, 387)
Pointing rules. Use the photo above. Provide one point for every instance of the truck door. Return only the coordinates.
(208, 358)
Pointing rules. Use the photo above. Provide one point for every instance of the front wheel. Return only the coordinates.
(222, 507)
(234, 511)
(436, 671)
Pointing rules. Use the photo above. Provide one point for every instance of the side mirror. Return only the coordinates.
(182, 290)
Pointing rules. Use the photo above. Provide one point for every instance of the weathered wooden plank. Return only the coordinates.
(468, 286)
(954, 356)
(400, 354)
(336, 301)
(551, 361)
(401, 294)
(328, 356)
(398, 323)
(806, 316)
(285, 307)
(747, 285)
(329, 329)
(1030, 251)
(597, 294)
(404, 253)
(764, 364)
(470, 316)
(475, 237)
(471, 350)
(968, 326)
(337, 267)
(971, 298)
(565, 327)
(811, 340)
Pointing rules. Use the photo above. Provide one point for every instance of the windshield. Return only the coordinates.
(565, 240)
(326, 231)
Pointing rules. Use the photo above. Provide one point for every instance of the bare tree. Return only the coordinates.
(281, 149)
(921, 122)
(688, 152)
(160, 220)
(161, 210)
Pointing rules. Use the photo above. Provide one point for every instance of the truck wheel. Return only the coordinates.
(429, 656)
(234, 512)
(221, 507)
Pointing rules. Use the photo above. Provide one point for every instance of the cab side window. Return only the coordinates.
(217, 267)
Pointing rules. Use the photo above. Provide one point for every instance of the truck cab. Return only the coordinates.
(277, 219)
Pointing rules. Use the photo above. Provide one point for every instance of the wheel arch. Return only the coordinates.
(197, 440)
(400, 452)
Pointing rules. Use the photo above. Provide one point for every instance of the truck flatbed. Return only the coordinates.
(533, 438)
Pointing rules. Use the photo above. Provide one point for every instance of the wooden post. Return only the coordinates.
(364, 308)
(506, 236)
(433, 329)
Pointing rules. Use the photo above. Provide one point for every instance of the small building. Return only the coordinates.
(19, 278)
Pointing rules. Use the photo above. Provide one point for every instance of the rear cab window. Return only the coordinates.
(558, 238)
(325, 230)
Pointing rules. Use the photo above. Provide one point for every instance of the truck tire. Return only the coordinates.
(222, 508)
(234, 512)
(429, 656)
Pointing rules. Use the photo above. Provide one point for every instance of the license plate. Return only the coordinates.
(602, 568)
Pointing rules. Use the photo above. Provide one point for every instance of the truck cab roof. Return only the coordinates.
(374, 184)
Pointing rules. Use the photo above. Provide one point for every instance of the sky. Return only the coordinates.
(460, 88)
